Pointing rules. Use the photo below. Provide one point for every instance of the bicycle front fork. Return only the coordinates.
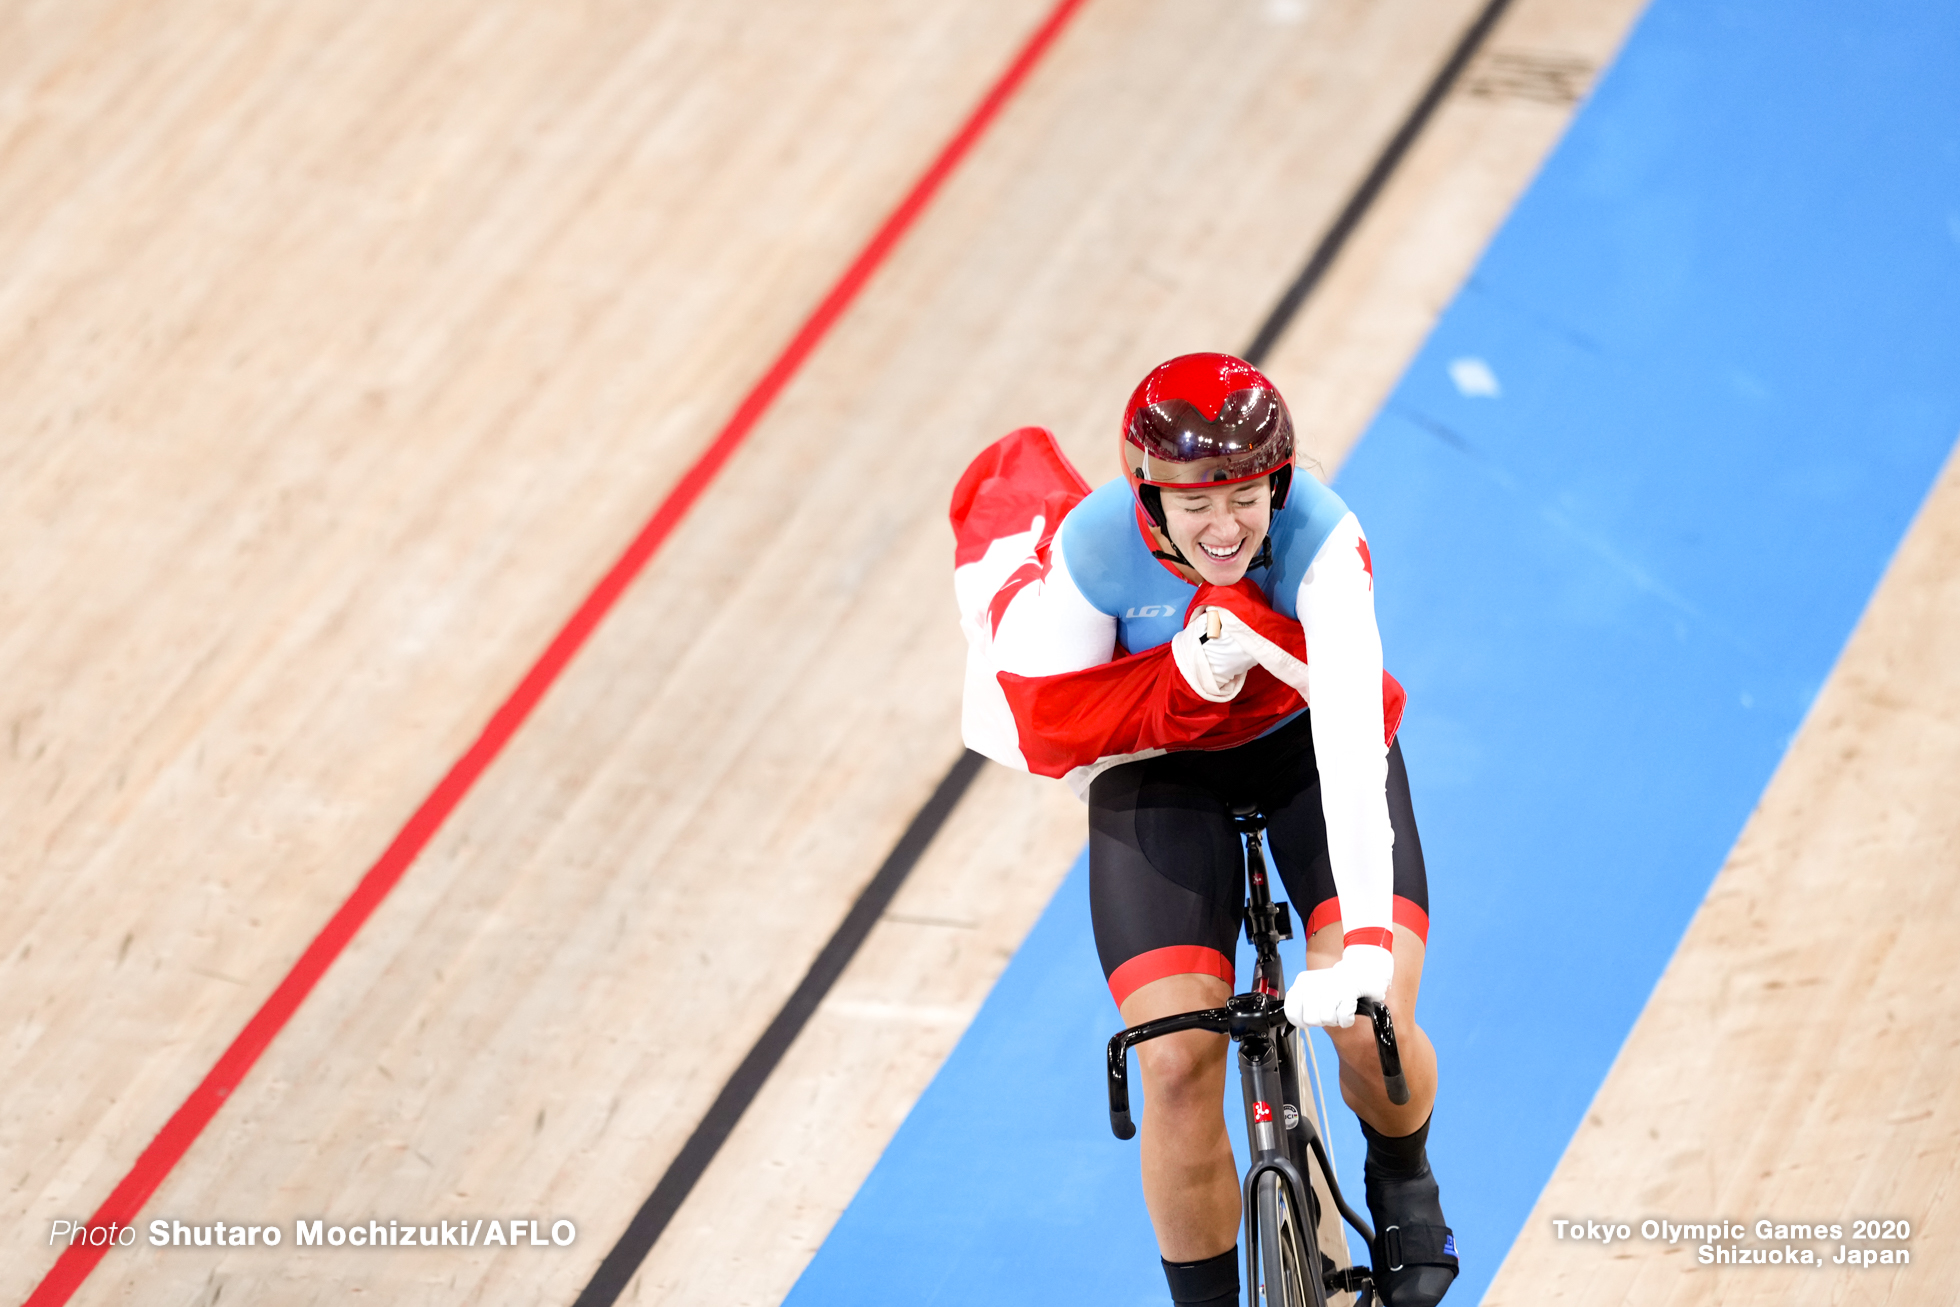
(1281, 1129)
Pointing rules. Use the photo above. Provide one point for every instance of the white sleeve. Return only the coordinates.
(1344, 674)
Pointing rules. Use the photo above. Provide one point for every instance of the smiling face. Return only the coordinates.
(1220, 529)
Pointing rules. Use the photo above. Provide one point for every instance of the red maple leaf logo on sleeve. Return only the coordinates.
(1367, 563)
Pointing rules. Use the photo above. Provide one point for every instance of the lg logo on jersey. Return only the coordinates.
(1151, 610)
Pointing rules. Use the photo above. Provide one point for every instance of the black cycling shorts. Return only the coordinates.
(1167, 869)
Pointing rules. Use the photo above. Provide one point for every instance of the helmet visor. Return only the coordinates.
(1176, 444)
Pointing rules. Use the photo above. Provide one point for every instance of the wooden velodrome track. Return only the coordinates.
(344, 349)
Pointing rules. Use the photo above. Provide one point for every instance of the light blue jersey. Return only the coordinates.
(1111, 563)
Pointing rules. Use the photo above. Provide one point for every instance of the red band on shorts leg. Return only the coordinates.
(1177, 960)
(1409, 915)
(1328, 913)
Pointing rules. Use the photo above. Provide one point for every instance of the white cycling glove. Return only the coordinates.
(1217, 676)
(1228, 658)
(1327, 997)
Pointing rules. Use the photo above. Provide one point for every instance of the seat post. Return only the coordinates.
(1266, 922)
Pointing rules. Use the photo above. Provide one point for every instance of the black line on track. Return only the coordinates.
(1371, 186)
(610, 1280)
(647, 1225)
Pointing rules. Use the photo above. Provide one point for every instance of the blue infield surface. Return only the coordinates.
(1723, 335)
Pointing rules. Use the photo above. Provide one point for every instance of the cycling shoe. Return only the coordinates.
(1414, 1252)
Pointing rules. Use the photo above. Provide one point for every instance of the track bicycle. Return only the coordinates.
(1284, 1266)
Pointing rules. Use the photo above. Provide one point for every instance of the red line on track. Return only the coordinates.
(188, 1122)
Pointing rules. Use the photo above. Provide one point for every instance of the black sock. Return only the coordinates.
(1396, 1157)
(1213, 1282)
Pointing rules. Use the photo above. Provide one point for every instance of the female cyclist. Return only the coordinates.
(1089, 617)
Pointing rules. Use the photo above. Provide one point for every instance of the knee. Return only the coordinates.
(1186, 1069)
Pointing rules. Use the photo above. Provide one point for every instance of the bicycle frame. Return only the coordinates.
(1269, 1069)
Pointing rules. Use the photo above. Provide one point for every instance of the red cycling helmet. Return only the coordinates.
(1205, 420)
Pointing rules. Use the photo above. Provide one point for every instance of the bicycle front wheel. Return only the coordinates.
(1288, 1265)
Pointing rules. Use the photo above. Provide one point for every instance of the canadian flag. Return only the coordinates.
(1005, 512)
(1006, 509)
